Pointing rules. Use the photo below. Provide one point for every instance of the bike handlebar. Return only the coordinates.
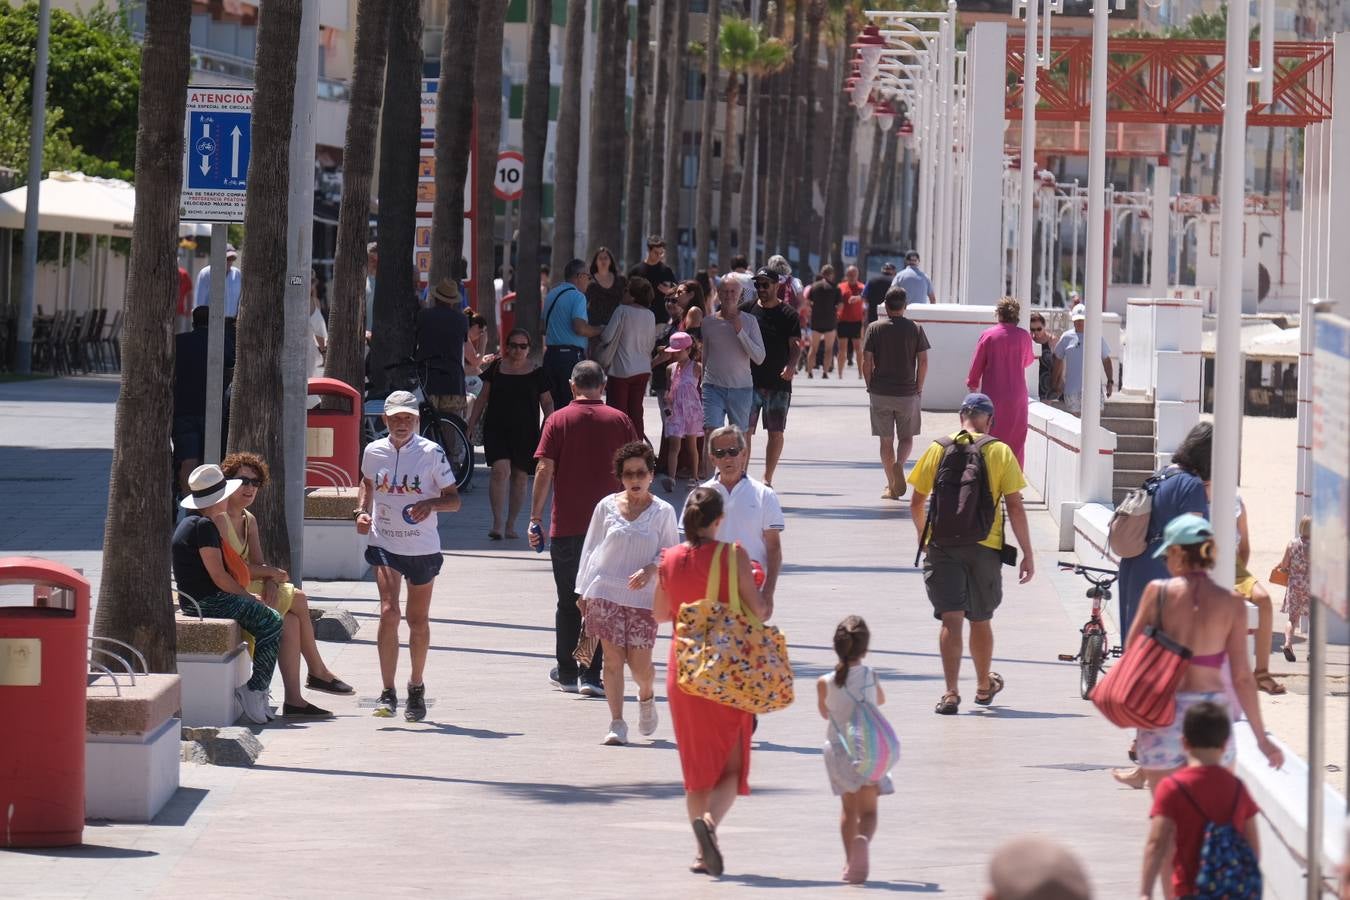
(1079, 569)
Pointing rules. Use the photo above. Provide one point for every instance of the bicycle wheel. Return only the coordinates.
(450, 435)
(1091, 665)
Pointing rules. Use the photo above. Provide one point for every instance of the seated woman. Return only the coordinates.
(238, 526)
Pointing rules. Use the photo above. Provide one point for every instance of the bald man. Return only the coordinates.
(1036, 868)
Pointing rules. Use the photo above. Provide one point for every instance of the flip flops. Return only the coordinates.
(995, 685)
(706, 833)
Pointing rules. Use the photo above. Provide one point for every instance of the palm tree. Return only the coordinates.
(804, 220)
(794, 120)
(394, 335)
(256, 406)
(843, 27)
(640, 135)
(703, 200)
(679, 68)
(870, 192)
(743, 49)
(665, 73)
(534, 141)
(608, 134)
(347, 309)
(567, 146)
(454, 134)
(487, 89)
(754, 103)
(772, 176)
(132, 603)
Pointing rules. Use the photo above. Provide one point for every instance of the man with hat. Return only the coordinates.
(442, 329)
(918, 287)
(405, 481)
(233, 285)
(207, 586)
(1069, 364)
(781, 330)
(962, 571)
(566, 330)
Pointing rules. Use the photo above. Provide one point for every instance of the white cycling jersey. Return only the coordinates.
(402, 476)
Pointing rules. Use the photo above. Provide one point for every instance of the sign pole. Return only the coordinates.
(36, 137)
(215, 347)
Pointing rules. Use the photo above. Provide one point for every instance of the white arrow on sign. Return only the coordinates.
(234, 152)
(206, 160)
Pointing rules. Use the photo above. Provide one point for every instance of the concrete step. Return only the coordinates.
(1128, 409)
(1128, 426)
(1134, 460)
(1129, 479)
(1135, 443)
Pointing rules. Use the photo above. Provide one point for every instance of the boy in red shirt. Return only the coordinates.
(1189, 799)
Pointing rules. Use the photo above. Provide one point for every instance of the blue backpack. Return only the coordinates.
(1228, 868)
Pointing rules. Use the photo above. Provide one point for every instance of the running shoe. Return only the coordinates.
(388, 704)
(567, 687)
(590, 689)
(416, 710)
(647, 717)
(254, 704)
(618, 734)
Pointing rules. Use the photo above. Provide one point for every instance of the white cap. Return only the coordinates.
(401, 402)
(1079, 313)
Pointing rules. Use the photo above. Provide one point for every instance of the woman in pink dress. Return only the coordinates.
(999, 370)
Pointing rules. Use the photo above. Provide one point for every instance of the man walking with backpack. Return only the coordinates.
(971, 477)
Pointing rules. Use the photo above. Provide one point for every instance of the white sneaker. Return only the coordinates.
(268, 706)
(618, 733)
(254, 704)
(647, 717)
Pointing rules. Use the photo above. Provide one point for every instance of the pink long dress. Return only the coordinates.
(999, 370)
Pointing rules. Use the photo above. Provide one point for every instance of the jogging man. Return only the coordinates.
(962, 572)
(781, 331)
(405, 481)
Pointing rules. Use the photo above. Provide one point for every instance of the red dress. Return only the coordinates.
(705, 732)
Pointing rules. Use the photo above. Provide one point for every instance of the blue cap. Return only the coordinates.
(979, 403)
(1183, 531)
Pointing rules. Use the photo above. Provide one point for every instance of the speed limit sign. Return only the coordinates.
(507, 183)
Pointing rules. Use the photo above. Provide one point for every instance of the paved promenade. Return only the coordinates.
(506, 791)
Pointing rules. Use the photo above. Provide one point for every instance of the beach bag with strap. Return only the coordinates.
(1228, 868)
(962, 508)
(1140, 691)
(869, 741)
(1127, 533)
(725, 654)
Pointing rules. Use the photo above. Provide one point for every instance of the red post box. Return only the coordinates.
(44, 664)
(508, 317)
(333, 435)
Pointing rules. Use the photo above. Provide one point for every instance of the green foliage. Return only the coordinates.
(744, 48)
(93, 83)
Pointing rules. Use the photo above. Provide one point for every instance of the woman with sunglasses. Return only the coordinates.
(693, 302)
(240, 529)
(515, 391)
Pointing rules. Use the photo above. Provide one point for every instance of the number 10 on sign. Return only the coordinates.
(507, 183)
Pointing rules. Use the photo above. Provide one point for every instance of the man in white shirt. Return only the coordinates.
(1068, 370)
(751, 513)
(405, 481)
(918, 287)
(233, 284)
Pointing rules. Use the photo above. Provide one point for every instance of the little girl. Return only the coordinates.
(836, 693)
(1294, 565)
(684, 425)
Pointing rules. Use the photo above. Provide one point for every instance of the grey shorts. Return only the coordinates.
(966, 579)
(894, 416)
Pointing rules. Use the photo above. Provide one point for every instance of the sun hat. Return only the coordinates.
(1079, 313)
(446, 292)
(207, 486)
(401, 402)
(1183, 531)
(978, 403)
(681, 340)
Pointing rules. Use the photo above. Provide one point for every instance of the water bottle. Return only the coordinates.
(538, 532)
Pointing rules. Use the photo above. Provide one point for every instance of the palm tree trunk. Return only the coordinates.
(836, 167)
(728, 171)
(882, 227)
(665, 74)
(347, 323)
(454, 135)
(487, 89)
(805, 219)
(703, 211)
(795, 117)
(639, 135)
(256, 407)
(534, 140)
(394, 337)
(132, 603)
(567, 139)
(1187, 187)
(870, 193)
(771, 194)
(608, 134)
(679, 69)
(750, 170)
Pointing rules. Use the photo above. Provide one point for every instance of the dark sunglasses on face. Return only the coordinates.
(512, 345)
(724, 452)
(251, 482)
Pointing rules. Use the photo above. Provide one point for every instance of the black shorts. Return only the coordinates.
(419, 570)
(850, 330)
(967, 579)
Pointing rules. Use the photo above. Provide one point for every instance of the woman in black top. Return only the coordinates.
(825, 300)
(606, 290)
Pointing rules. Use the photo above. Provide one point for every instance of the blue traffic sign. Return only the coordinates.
(218, 150)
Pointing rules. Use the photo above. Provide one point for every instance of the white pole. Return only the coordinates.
(1074, 218)
(1228, 303)
(1090, 486)
(1161, 218)
(1027, 224)
(583, 227)
(36, 140)
(299, 250)
(1309, 290)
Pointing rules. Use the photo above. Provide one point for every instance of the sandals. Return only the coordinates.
(1264, 682)
(1289, 653)
(494, 536)
(995, 685)
(1132, 778)
(706, 833)
(948, 705)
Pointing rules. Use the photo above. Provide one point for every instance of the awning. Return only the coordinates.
(75, 202)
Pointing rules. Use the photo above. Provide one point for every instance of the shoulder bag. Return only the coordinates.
(1140, 691)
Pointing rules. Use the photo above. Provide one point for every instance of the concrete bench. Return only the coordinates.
(132, 746)
(213, 660)
(333, 549)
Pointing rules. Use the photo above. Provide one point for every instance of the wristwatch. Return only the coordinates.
(358, 513)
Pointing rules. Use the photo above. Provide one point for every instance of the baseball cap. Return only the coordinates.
(681, 340)
(978, 403)
(230, 251)
(401, 402)
(1079, 313)
(1183, 531)
(766, 272)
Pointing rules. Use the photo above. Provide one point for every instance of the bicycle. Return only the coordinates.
(446, 429)
(1095, 647)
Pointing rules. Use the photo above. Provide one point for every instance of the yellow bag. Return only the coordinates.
(725, 654)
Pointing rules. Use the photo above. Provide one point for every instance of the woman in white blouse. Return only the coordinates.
(617, 583)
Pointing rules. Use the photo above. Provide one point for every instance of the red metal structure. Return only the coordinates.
(1162, 81)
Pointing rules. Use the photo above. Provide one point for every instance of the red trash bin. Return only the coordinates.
(44, 664)
(333, 435)
(508, 317)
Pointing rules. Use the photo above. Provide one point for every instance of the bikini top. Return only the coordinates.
(1212, 661)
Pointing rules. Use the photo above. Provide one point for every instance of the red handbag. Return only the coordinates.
(1140, 691)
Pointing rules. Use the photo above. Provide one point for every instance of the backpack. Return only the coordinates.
(1127, 533)
(961, 510)
(1228, 868)
(868, 740)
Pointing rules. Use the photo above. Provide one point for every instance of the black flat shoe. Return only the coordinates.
(308, 711)
(334, 685)
(1289, 653)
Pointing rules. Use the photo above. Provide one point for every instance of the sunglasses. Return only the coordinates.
(724, 452)
(251, 482)
(512, 345)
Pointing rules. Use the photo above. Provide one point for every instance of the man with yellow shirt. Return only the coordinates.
(962, 572)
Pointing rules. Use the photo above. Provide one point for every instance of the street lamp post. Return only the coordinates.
(1026, 210)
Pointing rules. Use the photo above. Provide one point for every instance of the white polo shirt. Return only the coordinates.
(748, 510)
(403, 476)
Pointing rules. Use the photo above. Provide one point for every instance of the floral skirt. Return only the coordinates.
(622, 626)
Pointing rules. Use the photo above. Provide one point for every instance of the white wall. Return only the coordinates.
(1052, 462)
